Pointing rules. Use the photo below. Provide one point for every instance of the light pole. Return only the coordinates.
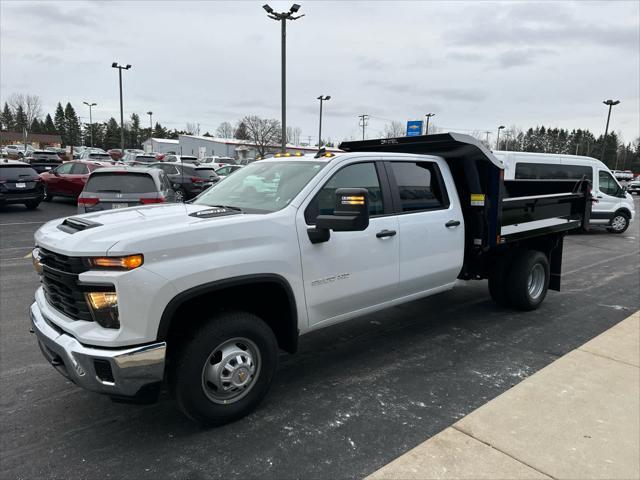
(90, 120)
(120, 68)
(611, 103)
(283, 17)
(498, 137)
(322, 99)
(428, 115)
(81, 135)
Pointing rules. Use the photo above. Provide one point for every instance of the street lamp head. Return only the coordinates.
(114, 65)
(267, 8)
(294, 8)
(501, 127)
(611, 102)
(328, 97)
(127, 67)
(149, 113)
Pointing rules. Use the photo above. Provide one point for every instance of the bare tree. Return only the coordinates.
(293, 135)
(225, 130)
(31, 105)
(264, 133)
(192, 128)
(394, 129)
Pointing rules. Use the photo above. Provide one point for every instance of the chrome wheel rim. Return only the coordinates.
(618, 222)
(535, 283)
(231, 370)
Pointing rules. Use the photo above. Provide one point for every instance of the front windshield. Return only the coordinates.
(261, 187)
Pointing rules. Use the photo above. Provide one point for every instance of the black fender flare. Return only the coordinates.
(289, 343)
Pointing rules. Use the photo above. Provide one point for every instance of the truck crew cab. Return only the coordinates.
(202, 295)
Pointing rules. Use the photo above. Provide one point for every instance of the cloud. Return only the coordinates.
(521, 56)
(50, 13)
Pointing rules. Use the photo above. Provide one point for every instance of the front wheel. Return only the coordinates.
(223, 371)
(528, 280)
(47, 196)
(619, 223)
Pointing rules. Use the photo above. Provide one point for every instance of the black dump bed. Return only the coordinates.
(496, 212)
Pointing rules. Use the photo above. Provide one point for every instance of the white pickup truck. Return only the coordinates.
(203, 294)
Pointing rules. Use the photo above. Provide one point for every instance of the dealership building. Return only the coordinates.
(201, 146)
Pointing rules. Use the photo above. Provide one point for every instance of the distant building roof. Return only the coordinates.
(31, 137)
(163, 140)
(248, 143)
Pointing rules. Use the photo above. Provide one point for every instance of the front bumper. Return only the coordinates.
(10, 198)
(122, 372)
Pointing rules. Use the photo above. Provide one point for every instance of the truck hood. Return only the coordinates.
(97, 233)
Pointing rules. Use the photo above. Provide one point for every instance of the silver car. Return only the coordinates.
(122, 187)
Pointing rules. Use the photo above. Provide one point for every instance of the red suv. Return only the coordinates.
(68, 179)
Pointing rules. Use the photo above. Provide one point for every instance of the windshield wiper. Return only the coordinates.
(238, 209)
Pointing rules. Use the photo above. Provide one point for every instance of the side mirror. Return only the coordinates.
(350, 214)
(56, 173)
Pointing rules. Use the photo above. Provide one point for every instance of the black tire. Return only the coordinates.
(187, 367)
(498, 282)
(47, 196)
(619, 223)
(32, 205)
(518, 279)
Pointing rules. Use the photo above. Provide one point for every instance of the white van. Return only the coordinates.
(613, 208)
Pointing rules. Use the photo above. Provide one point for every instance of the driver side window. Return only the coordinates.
(358, 175)
(64, 168)
(608, 185)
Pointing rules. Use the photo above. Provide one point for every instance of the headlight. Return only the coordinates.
(121, 263)
(36, 259)
(104, 308)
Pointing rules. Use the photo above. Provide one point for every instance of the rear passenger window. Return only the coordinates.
(359, 175)
(551, 171)
(79, 169)
(419, 186)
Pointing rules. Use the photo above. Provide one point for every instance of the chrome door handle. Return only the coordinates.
(452, 223)
(385, 233)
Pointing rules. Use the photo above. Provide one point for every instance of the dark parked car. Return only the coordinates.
(227, 170)
(122, 187)
(44, 160)
(188, 180)
(140, 159)
(20, 183)
(69, 179)
(169, 157)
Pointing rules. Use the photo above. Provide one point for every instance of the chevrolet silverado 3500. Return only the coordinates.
(202, 295)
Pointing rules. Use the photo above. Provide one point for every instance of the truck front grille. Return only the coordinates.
(60, 283)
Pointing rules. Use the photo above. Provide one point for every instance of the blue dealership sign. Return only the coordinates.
(414, 128)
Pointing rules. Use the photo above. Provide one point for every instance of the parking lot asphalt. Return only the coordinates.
(353, 398)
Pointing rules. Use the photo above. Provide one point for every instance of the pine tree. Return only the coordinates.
(49, 127)
(241, 132)
(6, 118)
(36, 126)
(111, 134)
(20, 119)
(134, 131)
(73, 126)
(60, 123)
(159, 131)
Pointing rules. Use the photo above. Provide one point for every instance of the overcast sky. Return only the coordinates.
(476, 65)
